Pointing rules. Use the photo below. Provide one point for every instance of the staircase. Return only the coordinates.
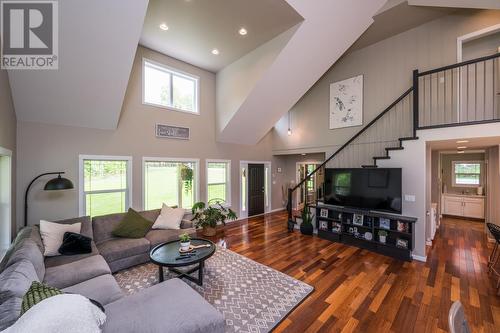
(466, 93)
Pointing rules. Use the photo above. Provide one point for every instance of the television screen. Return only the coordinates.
(371, 189)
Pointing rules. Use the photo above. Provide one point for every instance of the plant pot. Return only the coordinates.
(185, 245)
(382, 239)
(209, 231)
(306, 229)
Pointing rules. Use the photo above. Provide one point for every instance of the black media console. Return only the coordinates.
(366, 229)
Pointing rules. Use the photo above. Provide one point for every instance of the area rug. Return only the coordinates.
(251, 296)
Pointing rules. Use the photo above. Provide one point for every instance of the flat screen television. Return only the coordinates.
(371, 189)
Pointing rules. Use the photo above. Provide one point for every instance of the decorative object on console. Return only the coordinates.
(357, 219)
(384, 223)
(323, 225)
(185, 241)
(346, 103)
(208, 216)
(382, 234)
(402, 243)
(306, 227)
(336, 227)
(74, 243)
(55, 184)
(323, 213)
(402, 226)
(368, 235)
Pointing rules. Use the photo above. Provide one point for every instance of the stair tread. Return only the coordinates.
(381, 157)
(409, 138)
(395, 148)
(369, 166)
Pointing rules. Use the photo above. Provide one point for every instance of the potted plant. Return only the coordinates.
(185, 242)
(382, 235)
(306, 227)
(209, 215)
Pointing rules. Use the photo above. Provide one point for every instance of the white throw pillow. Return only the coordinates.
(53, 233)
(169, 218)
(61, 313)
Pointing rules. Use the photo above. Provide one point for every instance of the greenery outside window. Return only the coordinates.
(105, 185)
(219, 181)
(169, 88)
(170, 181)
(467, 173)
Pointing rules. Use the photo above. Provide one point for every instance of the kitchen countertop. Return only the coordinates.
(465, 195)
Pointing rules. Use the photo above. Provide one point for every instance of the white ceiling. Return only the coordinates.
(479, 4)
(198, 26)
(472, 144)
(97, 44)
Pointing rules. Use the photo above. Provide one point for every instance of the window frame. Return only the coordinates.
(174, 71)
(228, 179)
(82, 208)
(196, 186)
(454, 175)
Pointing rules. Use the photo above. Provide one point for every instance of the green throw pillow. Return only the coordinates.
(37, 293)
(133, 225)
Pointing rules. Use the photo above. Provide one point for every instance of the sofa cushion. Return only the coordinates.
(36, 293)
(29, 250)
(103, 289)
(158, 236)
(170, 306)
(75, 244)
(119, 248)
(16, 279)
(52, 235)
(169, 218)
(133, 225)
(61, 260)
(86, 222)
(103, 225)
(22, 235)
(10, 310)
(63, 276)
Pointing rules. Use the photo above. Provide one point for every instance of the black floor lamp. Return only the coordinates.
(54, 184)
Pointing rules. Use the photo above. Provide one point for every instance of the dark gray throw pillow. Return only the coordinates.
(74, 243)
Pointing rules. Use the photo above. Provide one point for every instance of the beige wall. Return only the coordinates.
(447, 167)
(8, 128)
(387, 68)
(45, 147)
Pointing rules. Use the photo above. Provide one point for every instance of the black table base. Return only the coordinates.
(186, 274)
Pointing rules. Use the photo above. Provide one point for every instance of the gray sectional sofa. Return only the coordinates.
(170, 306)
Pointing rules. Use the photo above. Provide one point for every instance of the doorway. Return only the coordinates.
(309, 193)
(256, 189)
(5, 199)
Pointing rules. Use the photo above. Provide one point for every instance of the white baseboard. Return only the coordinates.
(419, 258)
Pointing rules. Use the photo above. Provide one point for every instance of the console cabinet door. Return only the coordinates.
(453, 206)
(474, 208)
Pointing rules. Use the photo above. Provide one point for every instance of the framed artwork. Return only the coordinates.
(336, 227)
(323, 225)
(402, 226)
(384, 223)
(323, 212)
(357, 219)
(346, 103)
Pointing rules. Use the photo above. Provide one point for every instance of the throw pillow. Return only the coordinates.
(61, 313)
(53, 233)
(37, 293)
(133, 225)
(75, 244)
(169, 218)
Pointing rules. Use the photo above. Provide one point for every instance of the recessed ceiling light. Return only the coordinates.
(461, 147)
(242, 31)
(215, 52)
(462, 141)
(164, 26)
(460, 152)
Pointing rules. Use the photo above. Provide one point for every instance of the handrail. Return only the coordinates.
(460, 64)
(307, 177)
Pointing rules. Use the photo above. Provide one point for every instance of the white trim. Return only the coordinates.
(419, 258)
(171, 159)
(81, 185)
(178, 72)
(474, 35)
(7, 236)
(297, 180)
(5, 152)
(228, 179)
(267, 209)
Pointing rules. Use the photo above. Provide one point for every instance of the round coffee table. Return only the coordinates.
(168, 255)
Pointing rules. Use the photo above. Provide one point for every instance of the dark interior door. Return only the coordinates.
(255, 189)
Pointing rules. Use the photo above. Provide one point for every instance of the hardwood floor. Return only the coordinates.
(360, 291)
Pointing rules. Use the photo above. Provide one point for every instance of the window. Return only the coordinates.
(219, 181)
(169, 88)
(105, 185)
(170, 181)
(467, 174)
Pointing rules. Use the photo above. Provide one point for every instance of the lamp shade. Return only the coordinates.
(58, 183)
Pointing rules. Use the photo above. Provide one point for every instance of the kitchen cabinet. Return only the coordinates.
(463, 205)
